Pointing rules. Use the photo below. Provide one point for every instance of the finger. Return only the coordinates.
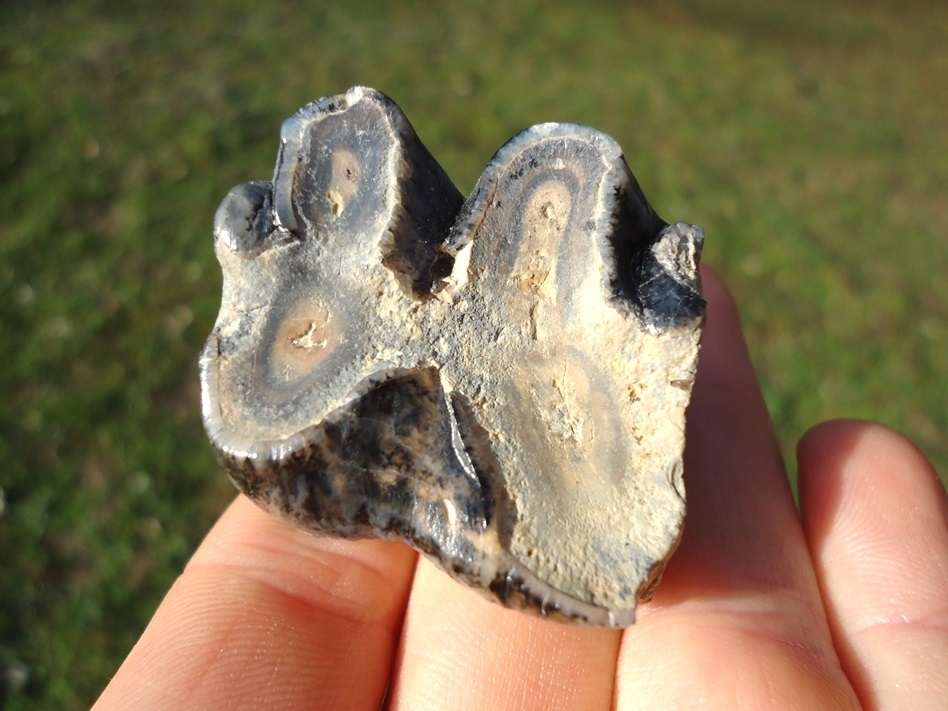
(463, 652)
(737, 619)
(876, 518)
(265, 616)
(742, 522)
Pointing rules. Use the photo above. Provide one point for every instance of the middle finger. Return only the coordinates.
(460, 651)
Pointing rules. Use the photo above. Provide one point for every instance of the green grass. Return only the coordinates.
(809, 138)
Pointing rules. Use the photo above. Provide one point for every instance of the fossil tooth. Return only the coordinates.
(500, 382)
(244, 219)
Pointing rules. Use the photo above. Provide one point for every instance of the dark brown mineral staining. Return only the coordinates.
(500, 382)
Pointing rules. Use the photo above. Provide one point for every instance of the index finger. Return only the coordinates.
(265, 616)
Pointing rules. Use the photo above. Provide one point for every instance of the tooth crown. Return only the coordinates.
(500, 382)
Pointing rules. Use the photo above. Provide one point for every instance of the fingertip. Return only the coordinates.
(742, 526)
(724, 361)
(851, 470)
(875, 516)
(858, 432)
(716, 290)
(723, 315)
(858, 452)
(340, 576)
(265, 615)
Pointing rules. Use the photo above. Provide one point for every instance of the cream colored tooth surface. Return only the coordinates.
(499, 382)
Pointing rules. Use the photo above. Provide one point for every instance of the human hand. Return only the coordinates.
(843, 606)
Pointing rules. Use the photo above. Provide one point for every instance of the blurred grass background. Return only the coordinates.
(809, 138)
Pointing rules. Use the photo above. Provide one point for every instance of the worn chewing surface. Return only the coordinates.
(500, 382)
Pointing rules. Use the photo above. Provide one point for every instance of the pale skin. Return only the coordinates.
(843, 605)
